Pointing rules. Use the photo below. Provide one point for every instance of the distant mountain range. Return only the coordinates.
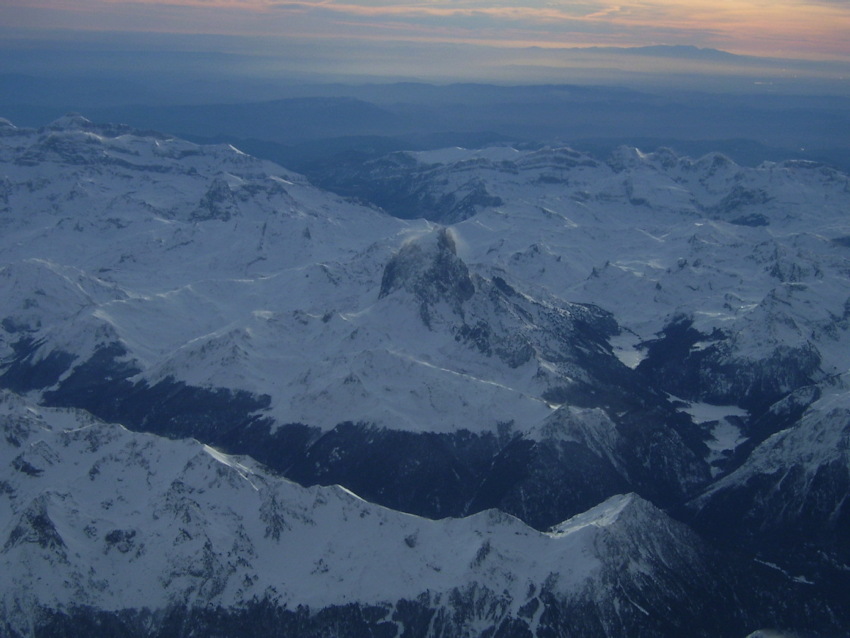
(669, 51)
(309, 124)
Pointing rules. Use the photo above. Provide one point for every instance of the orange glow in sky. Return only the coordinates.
(812, 30)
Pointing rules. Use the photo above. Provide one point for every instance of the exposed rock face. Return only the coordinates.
(217, 203)
(432, 272)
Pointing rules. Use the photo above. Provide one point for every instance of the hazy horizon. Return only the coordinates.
(739, 46)
(775, 76)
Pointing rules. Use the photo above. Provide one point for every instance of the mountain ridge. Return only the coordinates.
(197, 535)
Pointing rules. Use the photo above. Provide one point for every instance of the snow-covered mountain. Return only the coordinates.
(104, 523)
(564, 331)
(283, 311)
(728, 283)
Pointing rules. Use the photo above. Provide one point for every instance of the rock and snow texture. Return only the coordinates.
(100, 518)
(789, 497)
(581, 329)
(220, 270)
(652, 237)
(138, 266)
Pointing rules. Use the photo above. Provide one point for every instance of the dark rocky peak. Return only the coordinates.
(217, 203)
(429, 268)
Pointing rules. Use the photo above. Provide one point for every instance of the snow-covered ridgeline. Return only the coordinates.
(95, 515)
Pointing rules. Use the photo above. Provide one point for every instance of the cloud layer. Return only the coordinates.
(372, 30)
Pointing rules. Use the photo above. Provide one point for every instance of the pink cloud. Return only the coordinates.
(786, 27)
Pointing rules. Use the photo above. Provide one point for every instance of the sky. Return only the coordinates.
(513, 40)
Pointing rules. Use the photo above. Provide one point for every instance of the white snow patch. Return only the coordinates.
(726, 434)
(626, 348)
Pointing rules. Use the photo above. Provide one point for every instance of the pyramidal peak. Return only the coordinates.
(617, 510)
(429, 268)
